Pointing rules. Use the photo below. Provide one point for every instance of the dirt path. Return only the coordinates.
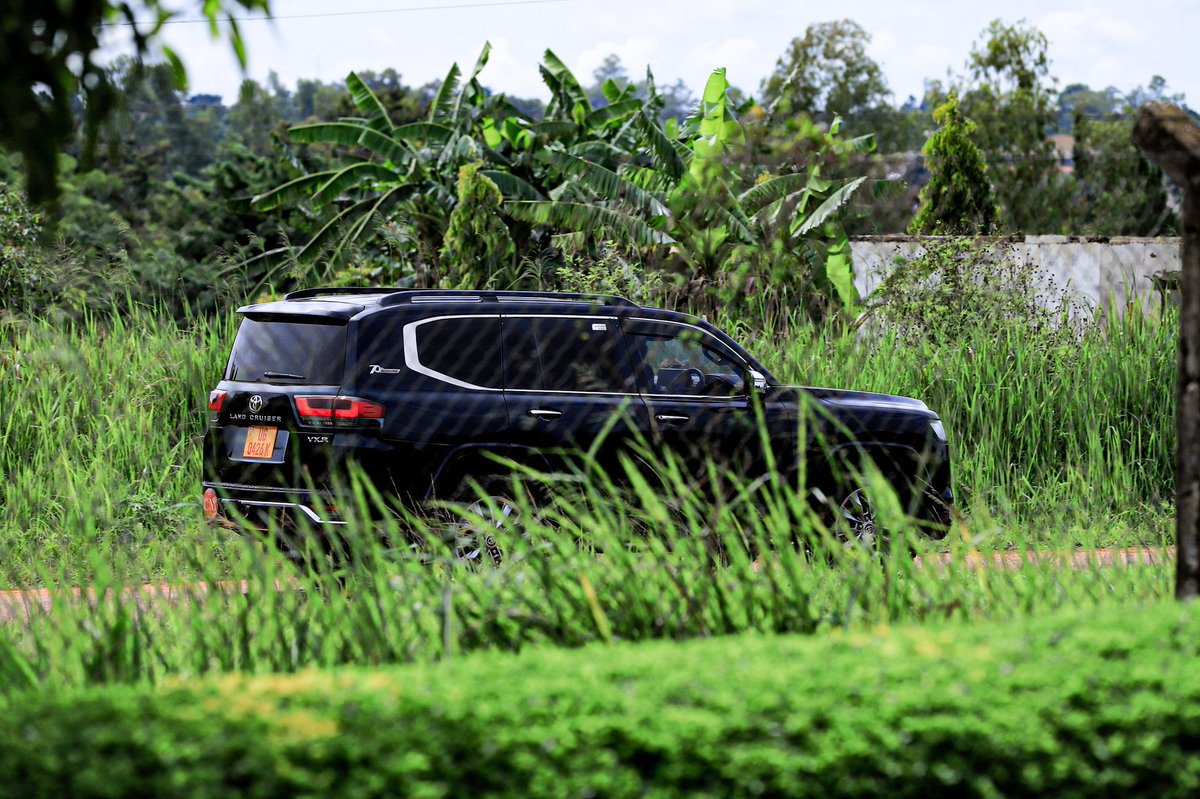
(24, 604)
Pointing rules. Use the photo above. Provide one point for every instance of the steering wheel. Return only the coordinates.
(685, 381)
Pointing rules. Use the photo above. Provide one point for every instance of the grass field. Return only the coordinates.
(1056, 443)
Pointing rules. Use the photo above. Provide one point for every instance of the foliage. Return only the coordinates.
(609, 272)
(826, 73)
(50, 55)
(1120, 191)
(957, 289)
(1036, 422)
(1079, 704)
(23, 282)
(1010, 98)
(477, 250)
(958, 198)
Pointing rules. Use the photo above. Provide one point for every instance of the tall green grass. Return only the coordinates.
(100, 467)
(1054, 442)
(1048, 432)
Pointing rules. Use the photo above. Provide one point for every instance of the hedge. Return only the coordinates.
(1103, 703)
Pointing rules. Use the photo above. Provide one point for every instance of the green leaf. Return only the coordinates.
(293, 190)
(572, 91)
(616, 112)
(611, 91)
(829, 208)
(757, 197)
(491, 136)
(178, 71)
(350, 224)
(585, 218)
(554, 130)
(364, 172)
(605, 183)
(473, 82)
(235, 39)
(422, 132)
(665, 154)
(367, 102)
(440, 106)
(839, 268)
(512, 186)
(344, 133)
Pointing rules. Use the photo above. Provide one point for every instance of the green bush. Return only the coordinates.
(1105, 703)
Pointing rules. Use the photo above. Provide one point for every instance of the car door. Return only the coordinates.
(569, 384)
(701, 402)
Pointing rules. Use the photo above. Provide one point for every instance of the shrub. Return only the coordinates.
(1098, 704)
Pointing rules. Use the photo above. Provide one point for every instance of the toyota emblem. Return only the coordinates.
(256, 403)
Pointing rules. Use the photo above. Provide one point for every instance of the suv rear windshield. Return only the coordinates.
(288, 352)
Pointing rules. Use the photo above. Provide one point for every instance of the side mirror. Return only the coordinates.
(759, 379)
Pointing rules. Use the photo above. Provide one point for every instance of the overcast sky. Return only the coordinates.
(1097, 42)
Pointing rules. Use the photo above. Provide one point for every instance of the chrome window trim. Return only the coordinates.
(419, 300)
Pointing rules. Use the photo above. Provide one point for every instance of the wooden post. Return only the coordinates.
(1170, 139)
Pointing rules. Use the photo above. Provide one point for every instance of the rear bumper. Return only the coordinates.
(259, 505)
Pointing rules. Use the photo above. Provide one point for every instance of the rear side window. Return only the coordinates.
(465, 349)
(290, 351)
(566, 354)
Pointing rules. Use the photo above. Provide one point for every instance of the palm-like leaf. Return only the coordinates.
(350, 223)
(291, 191)
(614, 112)
(565, 84)
(585, 218)
(762, 195)
(830, 207)
(512, 186)
(367, 102)
(440, 107)
(608, 185)
(663, 149)
(360, 174)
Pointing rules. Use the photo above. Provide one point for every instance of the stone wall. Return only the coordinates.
(1094, 271)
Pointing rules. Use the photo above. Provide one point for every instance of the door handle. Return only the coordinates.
(544, 413)
(667, 417)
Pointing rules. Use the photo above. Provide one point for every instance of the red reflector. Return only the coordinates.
(216, 398)
(314, 410)
(211, 505)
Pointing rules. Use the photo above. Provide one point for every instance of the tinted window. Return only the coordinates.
(678, 360)
(466, 349)
(288, 352)
(575, 354)
(522, 359)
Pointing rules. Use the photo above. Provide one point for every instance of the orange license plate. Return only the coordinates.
(260, 443)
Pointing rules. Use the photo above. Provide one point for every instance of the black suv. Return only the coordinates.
(422, 389)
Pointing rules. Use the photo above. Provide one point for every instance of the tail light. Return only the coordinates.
(339, 412)
(216, 399)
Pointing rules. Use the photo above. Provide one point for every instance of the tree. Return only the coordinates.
(48, 55)
(958, 199)
(478, 250)
(1120, 191)
(826, 73)
(1011, 99)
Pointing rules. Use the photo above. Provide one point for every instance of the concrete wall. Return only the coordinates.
(1094, 271)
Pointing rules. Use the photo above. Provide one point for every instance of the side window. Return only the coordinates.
(566, 354)
(682, 361)
(522, 360)
(465, 349)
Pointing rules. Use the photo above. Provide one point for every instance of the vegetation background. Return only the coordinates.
(127, 244)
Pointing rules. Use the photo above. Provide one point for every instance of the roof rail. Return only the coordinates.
(304, 294)
(461, 295)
